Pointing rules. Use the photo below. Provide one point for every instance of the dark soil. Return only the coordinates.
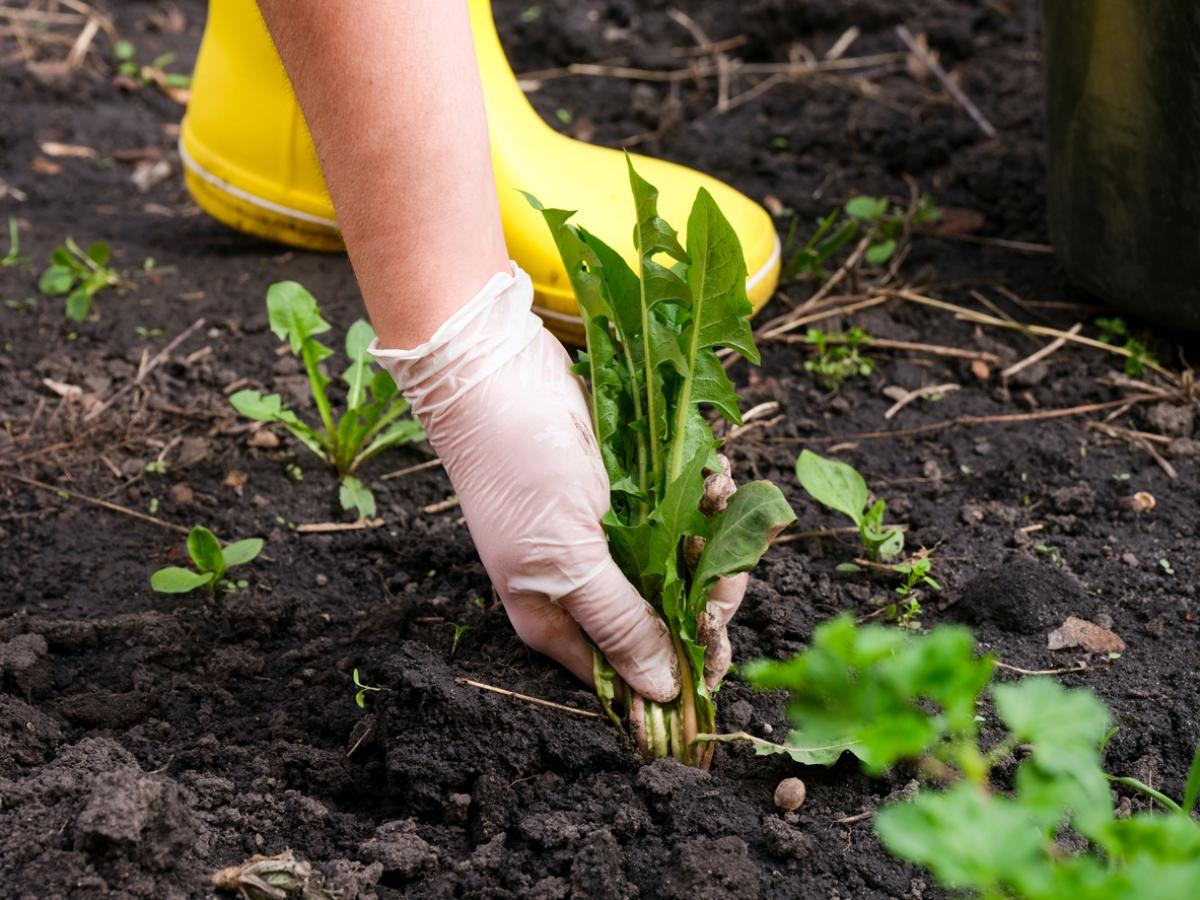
(147, 740)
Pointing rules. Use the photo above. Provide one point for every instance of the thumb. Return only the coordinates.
(626, 628)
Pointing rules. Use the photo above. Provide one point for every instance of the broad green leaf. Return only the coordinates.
(56, 280)
(205, 550)
(878, 690)
(176, 580)
(357, 376)
(356, 495)
(969, 839)
(677, 515)
(589, 280)
(98, 253)
(740, 536)
(79, 303)
(1063, 726)
(833, 484)
(254, 405)
(866, 208)
(270, 408)
(717, 282)
(293, 314)
(241, 552)
(881, 252)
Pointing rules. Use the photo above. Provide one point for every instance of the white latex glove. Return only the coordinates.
(511, 424)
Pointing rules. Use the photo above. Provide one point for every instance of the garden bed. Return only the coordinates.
(148, 740)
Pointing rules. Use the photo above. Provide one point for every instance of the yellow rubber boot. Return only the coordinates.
(249, 162)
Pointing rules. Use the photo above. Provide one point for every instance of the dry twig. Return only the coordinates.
(935, 69)
(95, 501)
(585, 713)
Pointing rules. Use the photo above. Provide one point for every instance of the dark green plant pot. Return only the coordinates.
(1123, 101)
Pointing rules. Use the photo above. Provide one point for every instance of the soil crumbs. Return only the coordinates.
(147, 741)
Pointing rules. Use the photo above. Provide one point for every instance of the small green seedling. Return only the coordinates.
(840, 487)
(1165, 565)
(375, 418)
(1114, 331)
(155, 73)
(360, 698)
(459, 631)
(212, 561)
(916, 573)
(839, 356)
(78, 275)
(13, 257)
(882, 223)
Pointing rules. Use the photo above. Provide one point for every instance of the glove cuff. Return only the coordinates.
(484, 334)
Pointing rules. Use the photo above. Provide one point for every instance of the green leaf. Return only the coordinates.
(56, 280)
(886, 695)
(1063, 726)
(176, 580)
(79, 303)
(270, 408)
(98, 252)
(717, 282)
(1192, 789)
(833, 484)
(356, 495)
(293, 314)
(881, 252)
(740, 536)
(677, 515)
(241, 552)
(205, 551)
(868, 209)
(969, 839)
(358, 338)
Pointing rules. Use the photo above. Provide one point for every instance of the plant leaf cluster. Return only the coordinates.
(886, 696)
(78, 275)
(1114, 331)
(375, 416)
(875, 217)
(651, 365)
(839, 356)
(840, 487)
(211, 560)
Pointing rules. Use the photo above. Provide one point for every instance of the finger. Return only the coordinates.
(551, 631)
(718, 488)
(718, 653)
(626, 628)
(727, 595)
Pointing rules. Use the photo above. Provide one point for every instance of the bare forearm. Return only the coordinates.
(391, 95)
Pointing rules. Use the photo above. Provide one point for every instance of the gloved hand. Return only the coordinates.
(510, 422)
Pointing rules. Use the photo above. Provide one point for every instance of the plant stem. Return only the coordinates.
(687, 706)
(1143, 788)
(318, 392)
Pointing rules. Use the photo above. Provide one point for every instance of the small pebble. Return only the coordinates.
(321, 580)
(789, 795)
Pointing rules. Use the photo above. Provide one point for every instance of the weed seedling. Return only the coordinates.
(375, 418)
(360, 698)
(1114, 331)
(916, 573)
(651, 363)
(839, 356)
(459, 631)
(211, 560)
(840, 487)
(155, 73)
(78, 275)
(13, 257)
(882, 223)
(887, 697)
